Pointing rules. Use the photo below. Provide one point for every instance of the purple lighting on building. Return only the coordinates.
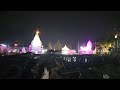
(23, 50)
(86, 49)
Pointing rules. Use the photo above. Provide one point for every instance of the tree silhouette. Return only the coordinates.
(58, 45)
(49, 46)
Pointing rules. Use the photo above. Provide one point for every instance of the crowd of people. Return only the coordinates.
(29, 66)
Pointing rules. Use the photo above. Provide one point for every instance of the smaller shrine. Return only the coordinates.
(23, 50)
(86, 49)
(65, 50)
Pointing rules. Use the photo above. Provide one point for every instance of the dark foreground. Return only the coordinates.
(29, 66)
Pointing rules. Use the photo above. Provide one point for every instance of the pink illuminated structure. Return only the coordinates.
(23, 50)
(86, 49)
(2, 48)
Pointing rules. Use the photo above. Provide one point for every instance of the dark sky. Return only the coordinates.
(67, 26)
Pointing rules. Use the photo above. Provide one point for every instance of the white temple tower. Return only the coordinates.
(36, 46)
(65, 50)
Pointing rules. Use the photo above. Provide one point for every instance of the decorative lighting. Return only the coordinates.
(23, 50)
(36, 45)
(44, 50)
(3, 45)
(15, 44)
(86, 49)
(37, 32)
(116, 36)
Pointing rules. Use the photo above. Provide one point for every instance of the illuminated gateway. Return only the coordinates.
(36, 46)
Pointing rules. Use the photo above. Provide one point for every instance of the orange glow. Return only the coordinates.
(37, 32)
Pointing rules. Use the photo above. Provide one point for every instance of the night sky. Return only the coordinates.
(67, 26)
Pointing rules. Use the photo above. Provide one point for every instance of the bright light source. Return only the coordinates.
(65, 52)
(37, 32)
(45, 50)
(15, 50)
(9, 51)
(116, 36)
(36, 52)
(86, 49)
(15, 44)
(110, 45)
(74, 51)
(3, 45)
(36, 44)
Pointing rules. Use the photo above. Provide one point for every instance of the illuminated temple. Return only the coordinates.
(86, 49)
(36, 46)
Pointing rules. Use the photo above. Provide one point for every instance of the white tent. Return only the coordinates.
(65, 48)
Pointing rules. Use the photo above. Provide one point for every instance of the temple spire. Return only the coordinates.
(37, 32)
(36, 44)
